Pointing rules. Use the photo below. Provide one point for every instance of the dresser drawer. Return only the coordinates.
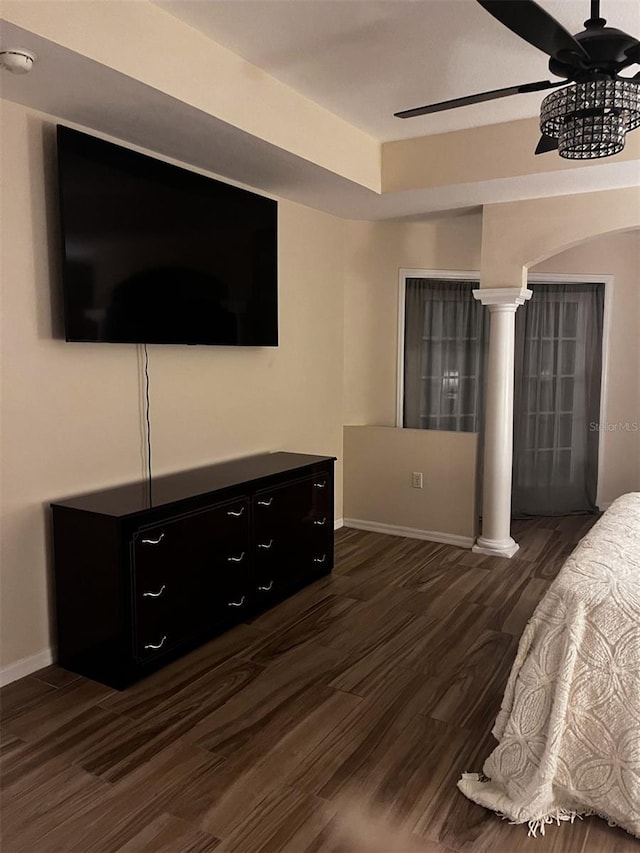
(160, 625)
(204, 536)
(189, 575)
(293, 536)
(308, 501)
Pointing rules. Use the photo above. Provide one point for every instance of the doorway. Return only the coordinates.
(558, 358)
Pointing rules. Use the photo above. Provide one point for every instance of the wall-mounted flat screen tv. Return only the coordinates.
(154, 253)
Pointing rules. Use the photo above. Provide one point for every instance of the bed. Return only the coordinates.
(568, 730)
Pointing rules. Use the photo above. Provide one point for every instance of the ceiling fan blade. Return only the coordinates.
(546, 143)
(530, 21)
(634, 53)
(477, 99)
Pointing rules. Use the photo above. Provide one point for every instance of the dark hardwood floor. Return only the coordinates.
(376, 686)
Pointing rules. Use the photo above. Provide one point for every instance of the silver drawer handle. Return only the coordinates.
(320, 559)
(153, 541)
(236, 559)
(266, 588)
(320, 521)
(154, 594)
(236, 603)
(319, 485)
(267, 545)
(265, 503)
(158, 646)
(235, 514)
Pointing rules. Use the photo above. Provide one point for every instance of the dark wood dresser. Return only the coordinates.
(141, 577)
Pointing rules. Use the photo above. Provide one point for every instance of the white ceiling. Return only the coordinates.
(362, 59)
(366, 59)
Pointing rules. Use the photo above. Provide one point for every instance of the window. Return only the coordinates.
(446, 335)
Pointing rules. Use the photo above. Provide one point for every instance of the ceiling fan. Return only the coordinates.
(590, 117)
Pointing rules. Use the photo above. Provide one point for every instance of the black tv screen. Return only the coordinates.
(153, 253)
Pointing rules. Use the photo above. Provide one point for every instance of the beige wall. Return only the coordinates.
(615, 255)
(518, 234)
(71, 413)
(378, 250)
(379, 461)
(504, 150)
(378, 465)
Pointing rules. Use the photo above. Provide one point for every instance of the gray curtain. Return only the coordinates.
(558, 362)
(446, 336)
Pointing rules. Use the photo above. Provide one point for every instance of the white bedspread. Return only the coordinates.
(569, 729)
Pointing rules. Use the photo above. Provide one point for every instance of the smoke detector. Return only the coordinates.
(17, 60)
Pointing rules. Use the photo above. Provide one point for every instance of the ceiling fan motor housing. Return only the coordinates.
(608, 50)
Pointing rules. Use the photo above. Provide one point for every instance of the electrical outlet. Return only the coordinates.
(416, 479)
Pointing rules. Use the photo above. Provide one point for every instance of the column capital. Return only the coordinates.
(502, 298)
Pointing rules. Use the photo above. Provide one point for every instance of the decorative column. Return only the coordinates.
(498, 425)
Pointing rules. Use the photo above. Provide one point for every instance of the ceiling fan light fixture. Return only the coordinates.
(591, 137)
(590, 119)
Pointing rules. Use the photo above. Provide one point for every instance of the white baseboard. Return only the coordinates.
(25, 666)
(411, 532)
(338, 523)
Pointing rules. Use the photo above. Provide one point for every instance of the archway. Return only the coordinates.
(515, 236)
